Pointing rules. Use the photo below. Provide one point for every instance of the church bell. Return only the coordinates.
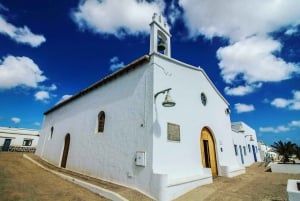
(161, 46)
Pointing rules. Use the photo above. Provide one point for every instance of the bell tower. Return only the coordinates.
(160, 36)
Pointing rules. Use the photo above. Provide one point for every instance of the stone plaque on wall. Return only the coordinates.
(173, 132)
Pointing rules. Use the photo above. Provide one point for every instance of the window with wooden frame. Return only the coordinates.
(101, 122)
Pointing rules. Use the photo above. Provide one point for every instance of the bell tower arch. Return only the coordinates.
(160, 36)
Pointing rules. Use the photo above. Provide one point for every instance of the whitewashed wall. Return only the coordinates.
(183, 159)
(17, 136)
(128, 128)
(285, 168)
(263, 149)
(242, 139)
(135, 123)
(266, 153)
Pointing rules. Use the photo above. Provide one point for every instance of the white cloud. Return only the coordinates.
(295, 123)
(115, 63)
(241, 90)
(173, 12)
(240, 107)
(42, 96)
(19, 71)
(291, 31)
(282, 128)
(280, 102)
(249, 58)
(236, 19)
(52, 87)
(292, 104)
(16, 120)
(278, 129)
(116, 17)
(36, 123)
(20, 34)
(63, 98)
(252, 61)
(45, 93)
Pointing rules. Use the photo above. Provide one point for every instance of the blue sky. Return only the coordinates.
(50, 50)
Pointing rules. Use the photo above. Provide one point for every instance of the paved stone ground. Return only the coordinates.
(255, 185)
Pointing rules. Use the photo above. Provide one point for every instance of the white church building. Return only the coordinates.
(157, 125)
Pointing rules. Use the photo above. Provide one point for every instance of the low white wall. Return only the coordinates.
(293, 193)
(285, 168)
(175, 190)
(165, 188)
(230, 171)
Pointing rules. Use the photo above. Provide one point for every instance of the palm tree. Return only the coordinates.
(298, 151)
(285, 149)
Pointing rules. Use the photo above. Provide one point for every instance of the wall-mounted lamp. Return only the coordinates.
(168, 102)
(251, 137)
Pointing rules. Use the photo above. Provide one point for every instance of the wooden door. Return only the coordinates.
(208, 153)
(66, 151)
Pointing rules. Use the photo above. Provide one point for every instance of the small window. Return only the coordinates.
(27, 142)
(236, 150)
(101, 122)
(51, 132)
(245, 153)
(203, 99)
(249, 148)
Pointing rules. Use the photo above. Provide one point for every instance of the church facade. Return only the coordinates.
(157, 125)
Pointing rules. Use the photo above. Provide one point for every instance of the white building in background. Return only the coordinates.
(245, 144)
(18, 139)
(266, 152)
(127, 129)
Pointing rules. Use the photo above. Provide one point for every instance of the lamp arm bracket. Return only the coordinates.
(161, 92)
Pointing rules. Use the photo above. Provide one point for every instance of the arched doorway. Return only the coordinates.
(208, 151)
(66, 151)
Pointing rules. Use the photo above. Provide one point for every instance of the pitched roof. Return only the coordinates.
(131, 66)
(136, 63)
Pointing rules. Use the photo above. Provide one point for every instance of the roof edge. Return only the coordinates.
(103, 81)
(194, 68)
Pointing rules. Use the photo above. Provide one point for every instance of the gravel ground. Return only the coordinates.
(255, 185)
(21, 180)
